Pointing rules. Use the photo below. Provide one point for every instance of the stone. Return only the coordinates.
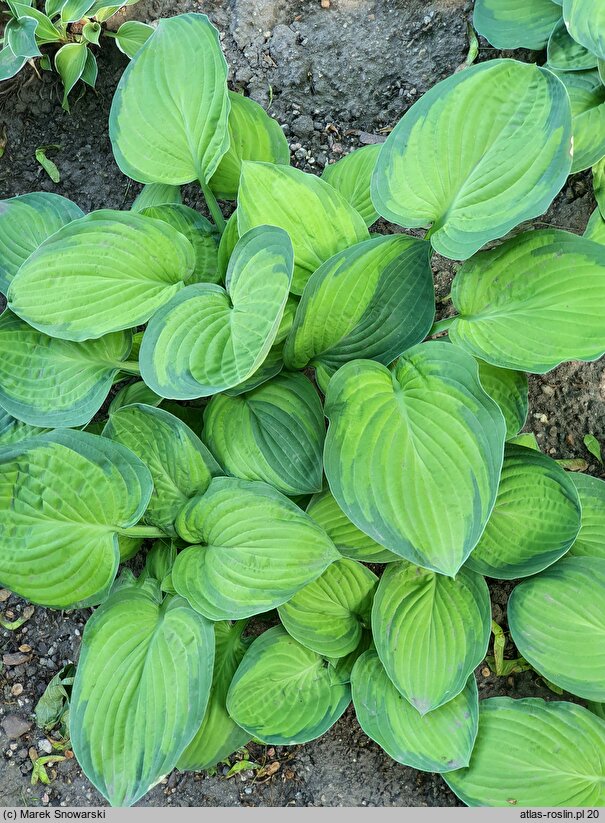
(15, 726)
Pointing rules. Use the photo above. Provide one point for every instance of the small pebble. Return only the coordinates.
(44, 746)
(16, 690)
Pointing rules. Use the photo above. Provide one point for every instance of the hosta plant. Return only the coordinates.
(270, 401)
(60, 34)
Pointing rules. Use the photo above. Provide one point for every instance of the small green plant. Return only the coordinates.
(62, 36)
(215, 445)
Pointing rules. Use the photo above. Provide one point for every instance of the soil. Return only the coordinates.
(335, 78)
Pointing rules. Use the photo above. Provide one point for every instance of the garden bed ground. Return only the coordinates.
(337, 78)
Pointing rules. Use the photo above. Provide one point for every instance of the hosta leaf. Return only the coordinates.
(136, 392)
(141, 690)
(526, 439)
(259, 549)
(557, 622)
(270, 367)
(9, 64)
(274, 433)
(70, 62)
(439, 741)
(566, 54)
(273, 363)
(535, 520)
(91, 32)
(253, 135)
(533, 302)
(177, 79)
(26, 222)
(157, 194)
(597, 708)
(373, 301)
(474, 164)
(65, 497)
(107, 271)
(351, 176)
(218, 736)
(532, 753)
(595, 230)
(74, 10)
(132, 35)
(329, 614)
(512, 24)
(91, 70)
(284, 693)
(45, 31)
(585, 21)
(318, 219)
(510, 391)
(591, 538)
(587, 97)
(348, 539)
(20, 34)
(200, 234)
(426, 622)
(180, 465)
(13, 430)
(435, 435)
(227, 244)
(52, 383)
(207, 339)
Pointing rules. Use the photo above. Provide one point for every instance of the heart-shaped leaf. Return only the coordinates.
(318, 219)
(434, 434)
(585, 21)
(45, 30)
(107, 271)
(66, 496)
(177, 79)
(9, 64)
(557, 622)
(132, 36)
(200, 234)
(439, 741)
(141, 690)
(25, 223)
(274, 433)
(532, 753)
(20, 34)
(591, 538)
(253, 135)
(426, 622)
(329, 614)
(533, 302)
(372, 301)
(566, 54)
(70, 63)
(513, 24)
(218, 736)
(535, 520)
(587, 97)
(473, 164)
(157, 194)
(348, 539)
(49, 382)
(181, 466)
(510, 391)
(284, 693)
(136, 392)
(595, 230)
(208, 339)
(14, 431)
(351, 176)
(259, 550)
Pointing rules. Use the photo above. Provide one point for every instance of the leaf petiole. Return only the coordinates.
(213, 206)
(142, 531)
